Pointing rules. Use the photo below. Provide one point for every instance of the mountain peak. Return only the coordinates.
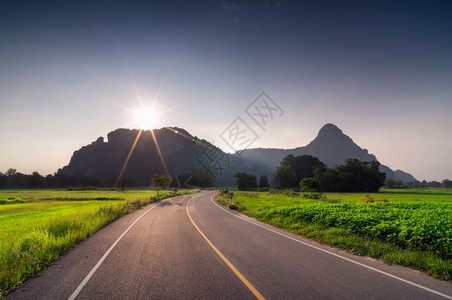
(333, 147)
(330, 129)
(331, 135)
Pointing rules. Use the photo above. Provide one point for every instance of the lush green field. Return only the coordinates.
(38, 226)
(407, 227)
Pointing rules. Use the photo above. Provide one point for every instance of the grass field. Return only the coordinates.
(38, 226)
(407, 227)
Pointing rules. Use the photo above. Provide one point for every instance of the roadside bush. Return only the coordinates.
(234, 206)
(227, 194)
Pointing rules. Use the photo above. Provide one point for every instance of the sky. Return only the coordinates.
(72, 71)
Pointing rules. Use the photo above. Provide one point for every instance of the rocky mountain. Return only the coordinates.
(331, 146)
(179, 152)
(171, 148)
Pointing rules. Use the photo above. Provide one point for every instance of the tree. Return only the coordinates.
(245, 181)
(123, 184)
(159, 181)
(3, 180)
(49, 181)
(393, 184)
(285, 177)
(434, 184)
(35, 180)
(329, 180)
(303, 166)
(201, 178)
(354, 176)
(447, 183)
(310, 185)
(196, 178)
(15, 179)
(263, 182)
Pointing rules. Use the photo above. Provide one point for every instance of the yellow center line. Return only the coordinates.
(228, 263)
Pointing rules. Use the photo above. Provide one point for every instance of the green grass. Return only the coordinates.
(407, 227)
(38, 226)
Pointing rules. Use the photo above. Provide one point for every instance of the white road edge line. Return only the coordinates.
(101, 260)
(336, 255)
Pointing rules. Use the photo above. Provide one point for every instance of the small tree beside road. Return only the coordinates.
(158, 181)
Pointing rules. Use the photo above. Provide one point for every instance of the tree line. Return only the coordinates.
(249, 181)
(398, 184)
(308, 173)
(300, 172)
(13, 179)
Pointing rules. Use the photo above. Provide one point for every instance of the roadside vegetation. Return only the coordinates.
(38, 226)
(410, 227)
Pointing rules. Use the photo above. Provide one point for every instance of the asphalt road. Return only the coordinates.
(189, 247)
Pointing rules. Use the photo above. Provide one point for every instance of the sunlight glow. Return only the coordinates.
(146, 118)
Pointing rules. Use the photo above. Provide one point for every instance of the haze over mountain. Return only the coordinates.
(179, 152)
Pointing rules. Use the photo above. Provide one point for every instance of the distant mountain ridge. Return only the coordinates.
(331, 146)
(182, 152)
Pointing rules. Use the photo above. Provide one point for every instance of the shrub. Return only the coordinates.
(314, 196)
(11, 200)
(285, 192)
(234, 206)
(369, 200)
(227, 194)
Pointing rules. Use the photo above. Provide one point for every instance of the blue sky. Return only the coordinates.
(71, 71)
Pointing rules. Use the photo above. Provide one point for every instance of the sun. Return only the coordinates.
(146, 118)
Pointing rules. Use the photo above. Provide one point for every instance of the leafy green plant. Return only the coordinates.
(409, 227)
(412, 225)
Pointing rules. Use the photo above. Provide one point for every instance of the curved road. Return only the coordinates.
(189, 247)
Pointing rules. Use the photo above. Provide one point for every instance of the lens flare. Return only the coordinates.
(146, 118)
